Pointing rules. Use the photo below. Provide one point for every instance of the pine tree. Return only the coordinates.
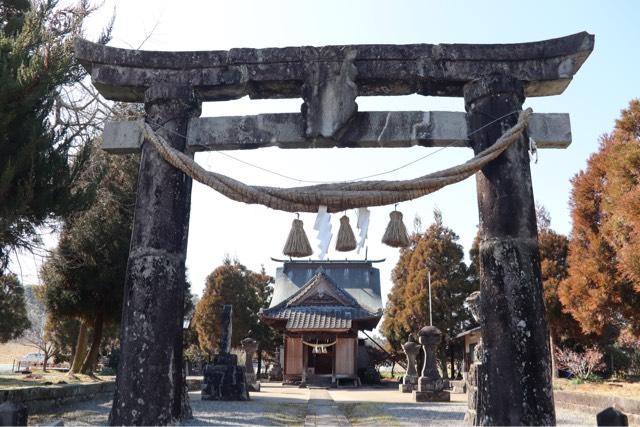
(36, 147)
(602, 290)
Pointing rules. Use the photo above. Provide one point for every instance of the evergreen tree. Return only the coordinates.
(36, 143)
(248, 292)
(436, 251)
(85, 277)
(13, 313)
(602, 290)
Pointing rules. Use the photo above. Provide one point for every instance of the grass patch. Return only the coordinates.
(286, 414)
(41, 378)
(627, 389)
(362, 413)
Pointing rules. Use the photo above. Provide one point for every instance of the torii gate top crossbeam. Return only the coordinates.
(545, 68)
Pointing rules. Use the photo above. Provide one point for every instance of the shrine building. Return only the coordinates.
(319, 306)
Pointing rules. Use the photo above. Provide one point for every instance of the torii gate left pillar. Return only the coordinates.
(150, 385)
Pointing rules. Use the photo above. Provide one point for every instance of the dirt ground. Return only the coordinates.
(629, 390)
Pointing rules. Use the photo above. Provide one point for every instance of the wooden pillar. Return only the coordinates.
(518, 389)
(150, 385)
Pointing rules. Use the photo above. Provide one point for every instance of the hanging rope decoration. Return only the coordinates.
(319, 348)
(297, 244)
(346, 239)
(396, 233)
(339, 196)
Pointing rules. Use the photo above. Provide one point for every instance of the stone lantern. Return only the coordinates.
(249, 345)
(410, 379)
(430, 384)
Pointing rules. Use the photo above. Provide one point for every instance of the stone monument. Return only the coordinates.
(275, 372)
(410, 379)
(249, 345)
(430, 384)
(224, 379)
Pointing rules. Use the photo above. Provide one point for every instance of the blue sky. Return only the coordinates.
(253, 234)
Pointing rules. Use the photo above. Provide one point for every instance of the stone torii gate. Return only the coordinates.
(493, 79)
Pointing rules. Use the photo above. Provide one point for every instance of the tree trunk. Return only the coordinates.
(259, 364)
(393, 366)
(516, 362)
(150, 386)
(80, 350)
(554, 369)
(92, 357)
(452, 361)
(44, 362)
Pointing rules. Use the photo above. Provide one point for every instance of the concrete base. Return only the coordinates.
(407, 388)
(431, 396)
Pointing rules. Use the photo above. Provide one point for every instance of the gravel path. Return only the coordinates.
(292, 406)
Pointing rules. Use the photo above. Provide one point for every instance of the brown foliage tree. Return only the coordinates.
(602, 289)
(554, 251)
(248, 292)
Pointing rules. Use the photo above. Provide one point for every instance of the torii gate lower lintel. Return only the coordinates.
(494, 80)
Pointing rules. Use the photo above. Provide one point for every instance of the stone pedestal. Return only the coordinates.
(430, 384)
(224, 379)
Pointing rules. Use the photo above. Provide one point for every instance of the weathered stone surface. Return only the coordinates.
(546, 67)
(329, 94)
(150, 386)
(516, 357)
(226, 329)
(224, 382)
(13, 414)
(612, 417)
(367, 130)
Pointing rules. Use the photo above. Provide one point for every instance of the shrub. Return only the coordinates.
(581, 365)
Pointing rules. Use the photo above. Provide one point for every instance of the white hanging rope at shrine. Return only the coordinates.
(319, 348)
(337, 196)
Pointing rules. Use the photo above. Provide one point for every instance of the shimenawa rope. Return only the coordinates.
(337, 196)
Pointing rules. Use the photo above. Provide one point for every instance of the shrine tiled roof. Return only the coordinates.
(330, 317)
(321, 304)
(359, 279)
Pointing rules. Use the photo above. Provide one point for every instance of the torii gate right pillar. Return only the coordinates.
(516, 388)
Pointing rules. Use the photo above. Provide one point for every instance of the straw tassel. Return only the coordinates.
(396, 233)
(346, 239)
(297, 243)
